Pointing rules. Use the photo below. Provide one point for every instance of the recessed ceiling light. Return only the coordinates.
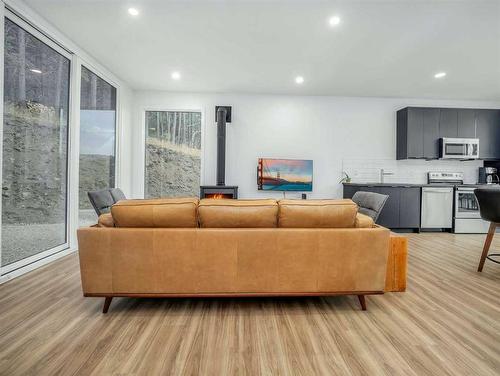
(440, 75)
(176, 75)
(36, 71)
(334, 21)
(299, 80)
(133, 12)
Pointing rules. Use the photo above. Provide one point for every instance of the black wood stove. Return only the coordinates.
(221, 190)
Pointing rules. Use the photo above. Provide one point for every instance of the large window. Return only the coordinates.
(35, 146)
(97, 140)
(173, 154)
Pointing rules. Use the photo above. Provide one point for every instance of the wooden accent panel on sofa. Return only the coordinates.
(397, 264)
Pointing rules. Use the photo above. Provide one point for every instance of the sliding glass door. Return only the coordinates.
(97, 140)
(35, 147)
(173, 154)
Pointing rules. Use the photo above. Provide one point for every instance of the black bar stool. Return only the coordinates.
(489, 207)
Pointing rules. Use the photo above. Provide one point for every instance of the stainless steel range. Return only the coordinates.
(466, 217)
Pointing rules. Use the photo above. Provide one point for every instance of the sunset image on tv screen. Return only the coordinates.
(285, 174)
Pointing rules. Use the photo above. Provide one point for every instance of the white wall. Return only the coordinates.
(328, 130)
(325, 129)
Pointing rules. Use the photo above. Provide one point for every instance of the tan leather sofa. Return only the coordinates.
(212, 248)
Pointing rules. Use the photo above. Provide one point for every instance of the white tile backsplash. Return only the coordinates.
(406, 171)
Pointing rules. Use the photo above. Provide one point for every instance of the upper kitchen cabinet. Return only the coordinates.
(410, 133)
(455, 123)
(417, 133)
(448, 122)
(488, 132)
(466, 127)
(420, 128)
(431, 132)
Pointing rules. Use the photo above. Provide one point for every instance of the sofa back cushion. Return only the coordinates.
(217, 213)
(317, 213)
(171, 212)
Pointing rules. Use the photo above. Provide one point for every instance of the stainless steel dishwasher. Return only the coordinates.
(437, 207)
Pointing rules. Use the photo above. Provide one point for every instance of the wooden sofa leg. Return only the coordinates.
(107, 302)
(362, 301)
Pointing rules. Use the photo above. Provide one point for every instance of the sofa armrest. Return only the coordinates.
(105, 220)
(94, 251)
(363, 221)
(397, 264)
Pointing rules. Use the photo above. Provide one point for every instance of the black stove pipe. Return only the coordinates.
(221, 146)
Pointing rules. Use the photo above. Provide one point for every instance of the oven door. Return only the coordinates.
(459, 148)
(466, 205)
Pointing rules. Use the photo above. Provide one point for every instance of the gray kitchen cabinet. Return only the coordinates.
(448, 122)
(431, 132)
(419, 129)
(415, 132)
(466, 123)
(488, 132)
(402, 209)
(418, 133)
(457, 123)
(410, 133)
(409, 207)
(350, 190)
(389, 216)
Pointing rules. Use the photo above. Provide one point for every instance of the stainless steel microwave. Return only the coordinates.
(459, 148)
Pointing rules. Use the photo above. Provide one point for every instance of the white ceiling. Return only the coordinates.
(381, 48)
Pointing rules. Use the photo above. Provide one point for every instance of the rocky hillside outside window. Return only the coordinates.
(173, 154)
(97, 140)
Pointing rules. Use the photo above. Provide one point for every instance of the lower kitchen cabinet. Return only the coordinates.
(402, 209)
(409, 207)
(389, 217)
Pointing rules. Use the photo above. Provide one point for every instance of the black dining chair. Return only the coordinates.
(489, 207)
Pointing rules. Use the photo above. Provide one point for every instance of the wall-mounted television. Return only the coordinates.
(285, 175)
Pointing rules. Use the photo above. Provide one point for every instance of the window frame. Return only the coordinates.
(90, 67)
(142, 172)
(63, 52)
(30, 21)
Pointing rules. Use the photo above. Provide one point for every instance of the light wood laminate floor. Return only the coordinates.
(447, 323)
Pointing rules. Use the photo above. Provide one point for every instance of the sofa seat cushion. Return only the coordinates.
(165, 212)
(217, 213)
(317, 213)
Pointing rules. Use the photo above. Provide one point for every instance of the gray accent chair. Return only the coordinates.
(370, 203)
(103, 199)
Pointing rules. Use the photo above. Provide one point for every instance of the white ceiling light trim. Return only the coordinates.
(440, 75)
(176, 76)
(133, 11)
(299, 80)
(334, 21)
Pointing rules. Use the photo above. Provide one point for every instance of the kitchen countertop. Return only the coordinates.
(397, 185)
(409, 185)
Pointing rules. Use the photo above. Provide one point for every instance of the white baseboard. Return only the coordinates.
(35, 265)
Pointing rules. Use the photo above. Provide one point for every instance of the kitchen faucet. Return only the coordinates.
(384, 173)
